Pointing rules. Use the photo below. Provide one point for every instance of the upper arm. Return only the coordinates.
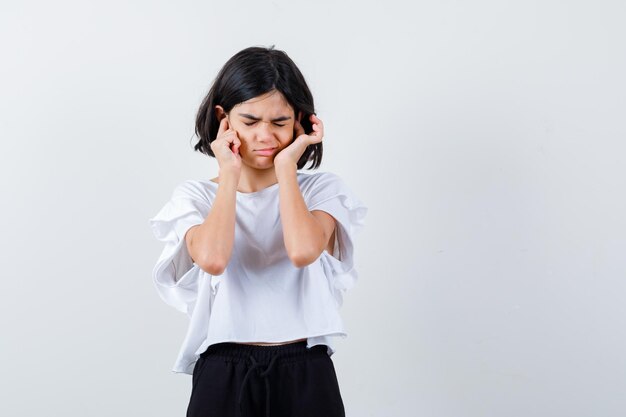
(188, 238)
(328, 224)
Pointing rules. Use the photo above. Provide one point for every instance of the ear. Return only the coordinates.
(300, 116)
(219, 112)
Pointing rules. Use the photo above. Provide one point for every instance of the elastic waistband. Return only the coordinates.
(237, 352)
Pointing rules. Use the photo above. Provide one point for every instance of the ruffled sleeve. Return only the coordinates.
(330, 194)
(175, 274)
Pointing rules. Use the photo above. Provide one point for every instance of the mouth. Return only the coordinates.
(266, 151)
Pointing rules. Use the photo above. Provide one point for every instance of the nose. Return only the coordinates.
(265, 131)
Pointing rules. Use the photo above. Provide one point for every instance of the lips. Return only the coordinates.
(266, 151)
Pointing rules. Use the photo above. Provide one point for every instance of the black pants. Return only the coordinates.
(236, 380)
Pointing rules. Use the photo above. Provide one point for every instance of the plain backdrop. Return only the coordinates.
(486, 138)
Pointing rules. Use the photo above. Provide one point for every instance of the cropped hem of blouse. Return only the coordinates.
(185, 366)
(260, 290)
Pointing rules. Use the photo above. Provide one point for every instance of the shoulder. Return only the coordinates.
(318, 180)
(196, 190)
(322, 186)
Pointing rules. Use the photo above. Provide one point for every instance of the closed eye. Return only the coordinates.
(250, 124)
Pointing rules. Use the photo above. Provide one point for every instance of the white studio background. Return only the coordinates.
(486, 137)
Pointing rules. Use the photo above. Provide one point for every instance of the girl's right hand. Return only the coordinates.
(225, 147)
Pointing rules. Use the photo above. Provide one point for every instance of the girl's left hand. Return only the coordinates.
(292, 153)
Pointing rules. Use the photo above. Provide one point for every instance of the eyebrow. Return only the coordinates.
(251, 117)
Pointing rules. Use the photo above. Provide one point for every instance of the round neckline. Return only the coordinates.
(253, 193)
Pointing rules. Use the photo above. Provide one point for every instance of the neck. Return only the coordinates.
(253, 179)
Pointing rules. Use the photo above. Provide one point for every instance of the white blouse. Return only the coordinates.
(261, 296)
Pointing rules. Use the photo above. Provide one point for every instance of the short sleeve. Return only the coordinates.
(175, 274)
(329, 193)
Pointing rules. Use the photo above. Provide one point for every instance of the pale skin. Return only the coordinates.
(267, 121)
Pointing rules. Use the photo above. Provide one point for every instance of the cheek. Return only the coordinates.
(243, 139)
(288, 136)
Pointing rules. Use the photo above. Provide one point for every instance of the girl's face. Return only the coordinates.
(262, 123)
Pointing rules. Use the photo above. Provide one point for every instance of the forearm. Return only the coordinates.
(212, 241)
(303, 234)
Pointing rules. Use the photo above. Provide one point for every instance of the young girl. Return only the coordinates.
(259, 257)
